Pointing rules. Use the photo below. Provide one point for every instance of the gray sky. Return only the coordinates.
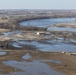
(37, 4)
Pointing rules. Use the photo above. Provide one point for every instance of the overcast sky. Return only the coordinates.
(37, 4)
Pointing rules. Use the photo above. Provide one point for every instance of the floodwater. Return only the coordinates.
(12, 33)
(34, 67)
(53, 45)
(49, 22)
(30, 66)
(27, 56)
(25, 66)
(72, 40)
(46, 22)
(2, 53)
(62, 29)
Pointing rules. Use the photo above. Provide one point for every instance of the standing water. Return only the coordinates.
(46, 22)
(31, 68)
(53, 45)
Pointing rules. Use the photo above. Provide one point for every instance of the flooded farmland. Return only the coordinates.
(39, 52)
(26, 62)
(53, 45)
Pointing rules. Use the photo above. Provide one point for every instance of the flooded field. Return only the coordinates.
(27, 63)
(39, 68)
(28, 53)
(53, 45)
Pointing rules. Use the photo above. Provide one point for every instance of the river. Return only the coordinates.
(29, 64)
(47, 22)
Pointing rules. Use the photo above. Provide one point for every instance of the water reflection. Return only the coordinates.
(2, 53)
(54, 61)
(62, 29)
(54, 45)
(27, 56)
(46, 22)
(11, 33)
(32, 68)
(28, 63)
